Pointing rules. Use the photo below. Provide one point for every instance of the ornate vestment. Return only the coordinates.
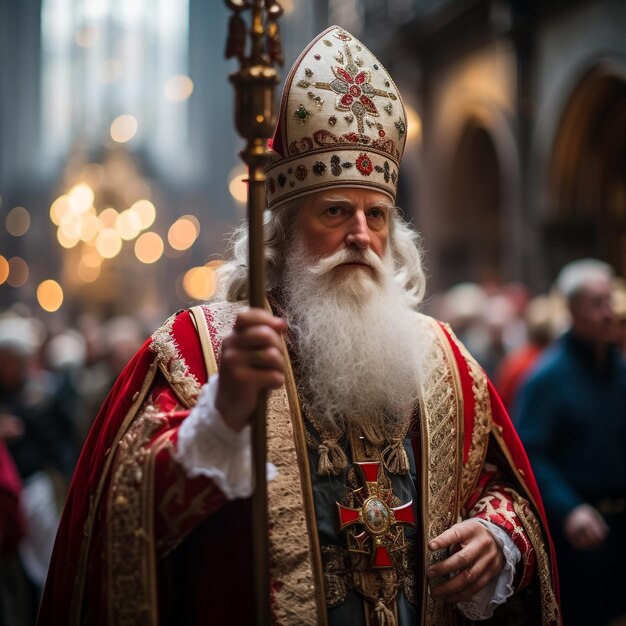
(141, 543)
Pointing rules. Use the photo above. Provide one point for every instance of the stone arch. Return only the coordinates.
(587, 172)
(471, 240)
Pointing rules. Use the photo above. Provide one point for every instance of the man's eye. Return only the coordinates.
(376, 213)
(333, 210)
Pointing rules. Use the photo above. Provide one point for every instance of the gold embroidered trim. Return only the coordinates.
(129, 543)
(293, 552)
(482, 421)
(441, 410)
(94, 501)
(173, 365)
(550, 613)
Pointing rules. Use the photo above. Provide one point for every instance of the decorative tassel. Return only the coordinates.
(373, 434)
(383, 616)
(395, 458)
(332, 458)
(236, 42)
(274, 44)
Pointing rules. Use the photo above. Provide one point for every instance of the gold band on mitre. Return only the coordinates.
(341, 123)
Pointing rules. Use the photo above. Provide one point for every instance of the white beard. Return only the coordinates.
(357, 339)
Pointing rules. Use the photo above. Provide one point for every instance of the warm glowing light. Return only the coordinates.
(108, 218)
(66, 240)
(149, 247)
(18, 221)
(80, 198)
(238, 187)
(87, 273)
(59, 209)
(199, 283)
(128, 224)
(110, 71)
(89, 228)
(195, 221)
(178, 88)
(215, 263)
(287, 6)
(50, 295)
(18, 272)
(71, 227)
(123, 128)
(182, 234)
(108, 243)
(146, 211)
(91, 259)
(4, 269)
(413, 125)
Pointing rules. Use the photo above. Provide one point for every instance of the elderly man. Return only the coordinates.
(572, 419)
(399, 493)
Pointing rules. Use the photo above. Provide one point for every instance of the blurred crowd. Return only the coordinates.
(53, 381)
(52, 384)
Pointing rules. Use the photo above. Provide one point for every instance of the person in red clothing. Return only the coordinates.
(399, 493)
(541, 322)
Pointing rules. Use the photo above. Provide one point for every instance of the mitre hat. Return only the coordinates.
(341, 122)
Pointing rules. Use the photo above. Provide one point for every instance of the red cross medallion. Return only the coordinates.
(382, 531)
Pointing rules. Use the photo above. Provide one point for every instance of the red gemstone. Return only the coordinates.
(344, 74)
(346, 515)
(359, 79)
(355, 91)
(381, 133)
(347, 100)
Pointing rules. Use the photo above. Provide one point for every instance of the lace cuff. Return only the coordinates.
(208, 447)
(482, 604)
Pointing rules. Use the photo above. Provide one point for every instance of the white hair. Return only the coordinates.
(576, 275)
(404, 245)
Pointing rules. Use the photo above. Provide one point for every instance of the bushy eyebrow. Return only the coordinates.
(381, 204)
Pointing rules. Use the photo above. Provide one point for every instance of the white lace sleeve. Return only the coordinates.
(482, 604)
(208, 447)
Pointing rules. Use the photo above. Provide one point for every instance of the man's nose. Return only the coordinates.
(358, 235)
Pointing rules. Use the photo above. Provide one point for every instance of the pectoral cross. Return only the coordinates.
(376, 528)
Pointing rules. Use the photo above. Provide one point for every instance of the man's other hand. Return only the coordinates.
(476, 558)
(585, 527)
(252, 361)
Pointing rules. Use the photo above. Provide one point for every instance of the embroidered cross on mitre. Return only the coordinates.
(376, 528)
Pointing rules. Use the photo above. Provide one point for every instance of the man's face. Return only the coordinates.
(593, 317)
(355, 219)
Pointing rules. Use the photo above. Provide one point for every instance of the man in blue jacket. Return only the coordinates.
(571, 416)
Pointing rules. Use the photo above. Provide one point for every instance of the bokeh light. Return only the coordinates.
(108, 218)
(59, 209)
(149, 247)
(108, 243)
(182, 233)
(413, 124)
(4, 269)
(124, 128)
(238, 185)
(80, 198)
(88, 273)
(50, 295)
(65, 240)
(199, 283)
(128, 224)
(90, 227)
(178, 88)
(18, 272)
(146, 212)
(18, 221)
